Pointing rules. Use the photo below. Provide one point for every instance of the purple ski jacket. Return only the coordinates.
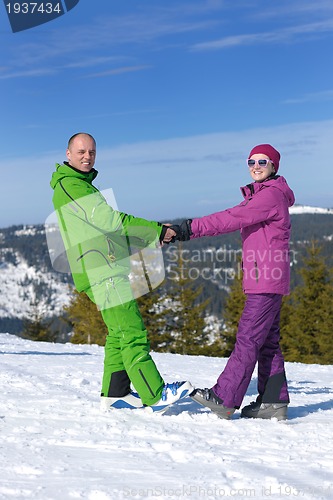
(264, 223)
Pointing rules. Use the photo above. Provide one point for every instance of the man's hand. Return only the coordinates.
(171, 233)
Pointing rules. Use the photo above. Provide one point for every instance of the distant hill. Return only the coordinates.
(26, 272)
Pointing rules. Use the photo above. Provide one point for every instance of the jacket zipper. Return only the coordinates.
(256, 271)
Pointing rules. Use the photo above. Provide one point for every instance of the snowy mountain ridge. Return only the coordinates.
(306, 209)
(26, 274)
(19, 285)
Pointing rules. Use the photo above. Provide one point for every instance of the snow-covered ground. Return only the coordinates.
(55, 443)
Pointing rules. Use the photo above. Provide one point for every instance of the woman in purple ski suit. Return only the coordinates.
(264, 223)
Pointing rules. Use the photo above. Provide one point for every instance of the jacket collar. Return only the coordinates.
(250, 189)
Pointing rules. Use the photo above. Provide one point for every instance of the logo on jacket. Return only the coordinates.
(25, 15)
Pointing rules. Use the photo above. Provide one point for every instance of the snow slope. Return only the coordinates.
(55, 443)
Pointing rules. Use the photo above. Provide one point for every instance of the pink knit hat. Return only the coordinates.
(268, 150)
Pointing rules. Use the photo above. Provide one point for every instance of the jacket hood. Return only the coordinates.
(276, 182)
(64, 170)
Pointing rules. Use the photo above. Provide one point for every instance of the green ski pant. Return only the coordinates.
(127, 357)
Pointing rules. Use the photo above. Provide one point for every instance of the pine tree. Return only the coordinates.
(155, 310)
(307, 319)
(89, 328)
(35, 326)
(87, 321)
(188, 321)
(232, 312)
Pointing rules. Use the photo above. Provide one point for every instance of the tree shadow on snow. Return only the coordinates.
(304, 411)
(39, 353)
(300, 411)
(187, 405)
(192, 407)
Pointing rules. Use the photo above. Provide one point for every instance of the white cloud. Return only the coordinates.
(91, 61)
(325, 95)
(118, 71)
(184, 176)
(207, 170)
(283, 35)
(107, 33)
(28, 73)
(296, 8)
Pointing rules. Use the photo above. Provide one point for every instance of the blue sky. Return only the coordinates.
(176, 94)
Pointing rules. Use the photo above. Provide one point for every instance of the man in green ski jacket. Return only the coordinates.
(98, 242)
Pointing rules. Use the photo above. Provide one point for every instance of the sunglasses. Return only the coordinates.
(261, 163)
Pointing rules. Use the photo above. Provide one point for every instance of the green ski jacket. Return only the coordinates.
(98, 239)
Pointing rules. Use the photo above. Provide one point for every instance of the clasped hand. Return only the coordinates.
(180, 232)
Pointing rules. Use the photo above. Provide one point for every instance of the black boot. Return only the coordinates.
(206, 397)
(257, 409)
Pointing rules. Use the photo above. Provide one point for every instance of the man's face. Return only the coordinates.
(82, 153)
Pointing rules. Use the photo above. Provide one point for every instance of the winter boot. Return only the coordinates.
(206, 397)
(131, 401)
(256, 409)
(171, 394)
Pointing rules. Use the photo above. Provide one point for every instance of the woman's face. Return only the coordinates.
(261, 172)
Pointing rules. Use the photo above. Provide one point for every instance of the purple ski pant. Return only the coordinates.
(257, 340)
